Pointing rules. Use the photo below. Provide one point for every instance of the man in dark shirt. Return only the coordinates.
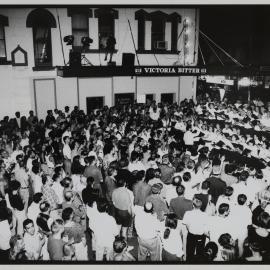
(180, 205)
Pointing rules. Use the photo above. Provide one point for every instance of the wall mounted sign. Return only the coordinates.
(19, 57)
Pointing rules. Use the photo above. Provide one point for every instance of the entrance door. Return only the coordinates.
(167, 98)
(93, 103)
(123, 99)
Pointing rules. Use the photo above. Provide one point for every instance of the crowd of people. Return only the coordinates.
(140, 182)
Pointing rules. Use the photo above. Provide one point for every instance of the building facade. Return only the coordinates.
(32, 47)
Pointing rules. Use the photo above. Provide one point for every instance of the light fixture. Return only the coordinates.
(86, 41)
(244, 82)
(69, 40)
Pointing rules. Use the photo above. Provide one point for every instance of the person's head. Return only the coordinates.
(176, 181)
(44, 207)
(148, 207)
(28, 226)
(17, 114)
(102, 205)
(16, 243)
(120, 181)
(225, 240)
(68, 251)
(228, 191)
(66, 139)
(197, 204)
(14, 185)
(134, 156)
(150, 174)
(91, 160)
(112, 171)
(67, 214)
(205, 185)
(180, 190)
(210, 251)
(224, 209)
(259, 174)
(37, 197)
(241, 199)
(68, 195)
(243, 176)
(57, 226)
(89, 181)
(165, 159)
(156, 188)
(119, 244)
(186, 176)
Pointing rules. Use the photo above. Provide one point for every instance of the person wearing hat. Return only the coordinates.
(148, 227)
(159, 204)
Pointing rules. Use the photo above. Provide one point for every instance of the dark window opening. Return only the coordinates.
(141, 34)
(41, 20)
(80, 27)
(3, 54)
(106, 29)
(158, 34)
(93, 103)
(167, 98)
(123, 99)
(42, 46)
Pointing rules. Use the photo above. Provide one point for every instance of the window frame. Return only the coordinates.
(3, 23)
(43, 18)
(99, 13)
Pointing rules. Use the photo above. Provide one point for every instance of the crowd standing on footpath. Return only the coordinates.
(173, 182)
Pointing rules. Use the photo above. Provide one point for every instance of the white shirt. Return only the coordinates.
(105, 235)
(241, 217)
(37, 183)
(219, 225)
(136, 166)
(67, 151)
(59, 191)
(173, 244)
(5, 235)
(147, 225)
(196, 221)
(170, 193)
(33, 212)
(32, 244)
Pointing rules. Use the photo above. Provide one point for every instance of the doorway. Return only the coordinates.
(123, 99)
(93, 103)
(167, 98)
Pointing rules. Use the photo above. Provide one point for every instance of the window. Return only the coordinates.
(158, 30)
(106, 19)
(175, 20)
(141, 16)
(158, 33)
(42, 46)
(80, 24)
(3, 53)
(42, 21)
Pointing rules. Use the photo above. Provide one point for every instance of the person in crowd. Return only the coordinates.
(148, 229)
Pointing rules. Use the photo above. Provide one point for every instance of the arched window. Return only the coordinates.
(3, 53)
(106, 17)
(80, 24)
(41, 20)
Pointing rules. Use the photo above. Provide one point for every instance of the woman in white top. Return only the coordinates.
(171, 240)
